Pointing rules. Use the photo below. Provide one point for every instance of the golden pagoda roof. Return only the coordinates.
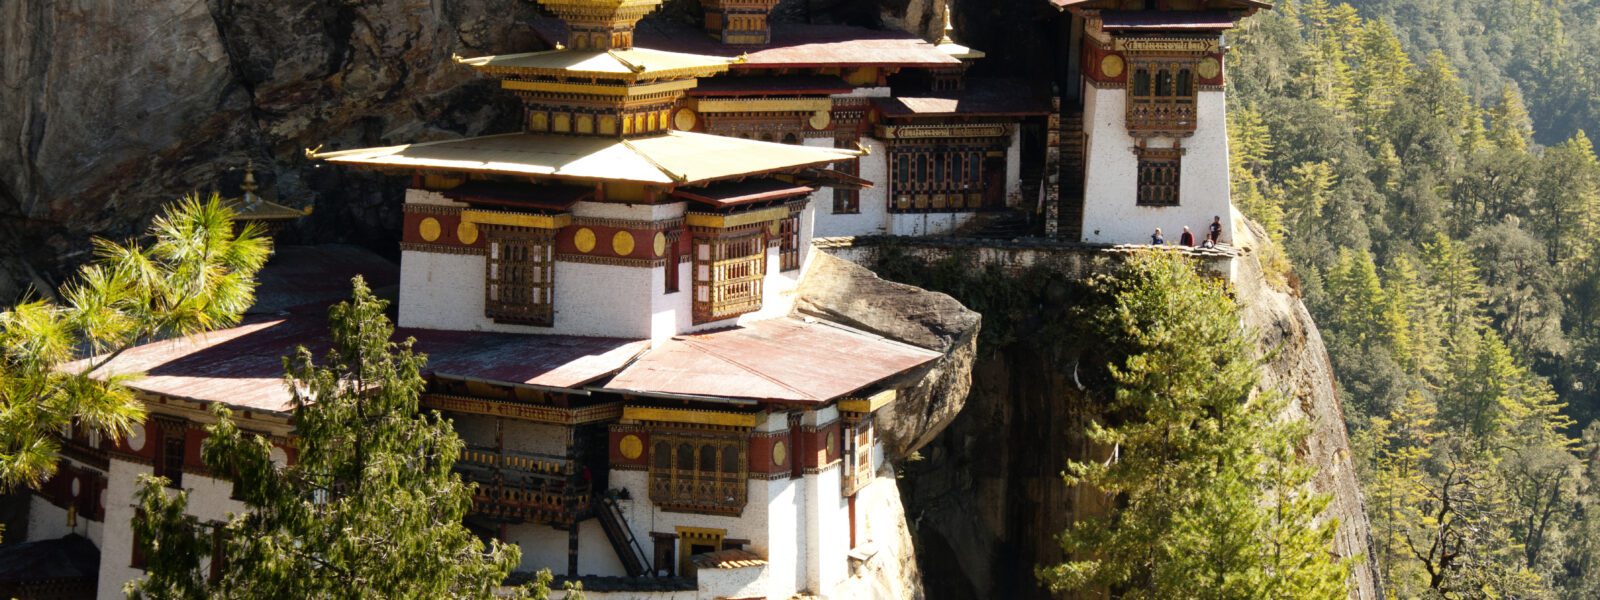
(630, 65)
(676, 157)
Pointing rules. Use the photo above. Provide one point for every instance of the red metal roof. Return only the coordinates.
(243, 366)
(554, 197)
(733, 193)
(793, 45)
(982, 97)
(1156, 20)
(771, 85)
(778, 360)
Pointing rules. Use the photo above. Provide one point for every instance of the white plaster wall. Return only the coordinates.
(827, 530)
(873, 218)
(1110, 214)
(746, 582)
(545, 547)
(1014, 170)
(520, 436)
(867, 92)
(208, 501)
(446, 291)
(636, 212)
(928, 223)
(773, 521)
(47, 521)
(415, 196)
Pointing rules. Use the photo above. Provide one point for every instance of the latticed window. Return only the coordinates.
(935, 178)
(1161, 96)
(1159, 176)
(699, 473)
(674, 260)
(846, 201)
(521, 276)
(729, 266)
(789, 240)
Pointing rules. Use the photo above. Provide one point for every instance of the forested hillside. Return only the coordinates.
(1452, 258)
(1545, 47)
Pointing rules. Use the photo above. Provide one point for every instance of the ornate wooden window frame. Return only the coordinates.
(846, 201)
(1162, 94)
(699, 472)
(1160, 176)
(938, 177)
(730, 265)
(789, 239)
(519, 275)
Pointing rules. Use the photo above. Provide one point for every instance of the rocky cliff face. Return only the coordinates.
(987, 498)
(109, 108)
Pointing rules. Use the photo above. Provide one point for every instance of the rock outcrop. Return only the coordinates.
(845, 293)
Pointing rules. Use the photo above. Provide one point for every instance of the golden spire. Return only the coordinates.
(949, 28)
(249, 185)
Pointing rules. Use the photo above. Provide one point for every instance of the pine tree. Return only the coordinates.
(370, 507)
(1510, 127)
(1211, 501)
(196, 274)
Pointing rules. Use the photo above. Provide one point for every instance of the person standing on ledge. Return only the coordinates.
(1214, 236)
(1187, 239)
(1156, 239)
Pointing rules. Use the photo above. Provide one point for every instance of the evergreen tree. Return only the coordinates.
(1510, 127)
(1210, 499)
(369, 508)
(197, 273)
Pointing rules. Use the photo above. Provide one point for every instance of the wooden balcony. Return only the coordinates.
(522, 487)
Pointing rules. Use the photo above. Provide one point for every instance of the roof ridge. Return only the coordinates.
(650, 159)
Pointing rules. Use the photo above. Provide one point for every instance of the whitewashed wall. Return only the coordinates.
(1111, 186)
(208, 500)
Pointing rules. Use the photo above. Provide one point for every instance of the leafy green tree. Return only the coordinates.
(196, 273)
(369, 508)
(1210, 498)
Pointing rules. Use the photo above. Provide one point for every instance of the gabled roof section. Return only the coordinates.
(635, 64)
(676, 157)
(243, 366)
(779, 360)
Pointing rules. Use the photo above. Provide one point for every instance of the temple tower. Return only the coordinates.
(739, 22)
(1154, 117)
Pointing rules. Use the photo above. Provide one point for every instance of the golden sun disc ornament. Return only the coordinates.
(429, 229)
(467, 233)
(584, 240)
(1111, 65)
(622, 243)
(1209, 68)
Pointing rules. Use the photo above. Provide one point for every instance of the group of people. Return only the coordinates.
(1213, 235)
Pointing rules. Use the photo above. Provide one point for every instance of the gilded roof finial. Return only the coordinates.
(249, 185)
(949, 28)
